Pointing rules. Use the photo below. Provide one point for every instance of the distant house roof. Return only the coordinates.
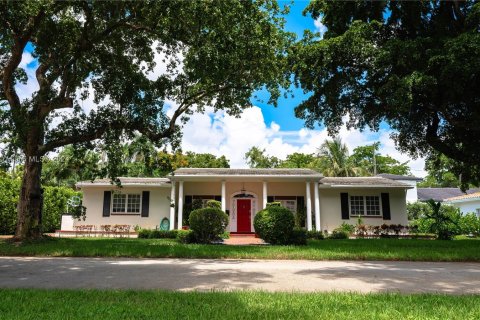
(398, 177)
(441, 194)
(127, 181)
(464, 197)
(363, 182)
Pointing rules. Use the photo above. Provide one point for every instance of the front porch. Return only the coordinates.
(242, 194)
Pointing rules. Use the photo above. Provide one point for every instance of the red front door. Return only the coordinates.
(244, 215)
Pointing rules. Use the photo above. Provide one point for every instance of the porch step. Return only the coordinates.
(249, 234)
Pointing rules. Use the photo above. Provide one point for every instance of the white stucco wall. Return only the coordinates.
(467, 206)
(93, 201)
(330, 207)
(412, 195)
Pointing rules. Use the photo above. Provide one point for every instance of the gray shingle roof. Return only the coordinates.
(440, 194)
(245, 172)
(398, 177)
(362, 181)
(127, 181)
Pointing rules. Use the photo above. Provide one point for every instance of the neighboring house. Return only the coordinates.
(441, 194)
(466, 203)
(412, 194)
(328, 201)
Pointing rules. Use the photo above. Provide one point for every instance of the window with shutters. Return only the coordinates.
(365, 206)
(126, 203)
(204, 199)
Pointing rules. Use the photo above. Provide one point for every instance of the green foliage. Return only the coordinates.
(186, 236)
(348, 228)
(300, 216)
(54, 205)
(411, 68)
(339, 234)
(274, 204)
(369, 158)
(298, 237)
(256, 158)
(9, 193)
(214, 204)
(274, 224)
(298, 160)
(208, 224)
(444, 220)
(470, 224)
(316, 235)
(188, 208)
(440, 172)
(416, 210)
(336, 161)
(157, 234)
(206, 160)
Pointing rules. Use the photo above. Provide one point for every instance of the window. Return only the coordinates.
(289, 204)
(365, 206)
(356, 205)
(126, 203)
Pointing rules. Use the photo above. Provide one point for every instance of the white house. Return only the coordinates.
(328, 201)
(466, 203)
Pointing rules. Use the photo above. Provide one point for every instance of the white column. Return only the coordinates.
(172, 206)
(317, 207)
(180, 205)
(309, 206)
(224, 200)
(265, 194)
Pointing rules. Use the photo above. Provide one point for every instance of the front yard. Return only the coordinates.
(358, 249)
(109, 304)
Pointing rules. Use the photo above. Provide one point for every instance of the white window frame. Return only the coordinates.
(126, 212)
(364, 214)
(283, 203)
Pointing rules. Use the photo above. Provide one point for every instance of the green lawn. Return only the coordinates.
(359, 249)
(98, 304)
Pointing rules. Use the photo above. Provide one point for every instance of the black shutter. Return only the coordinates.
(386, 206)
(188, 199)
(344, 205)
(107, 197)
(218, 198)
(270, 199)
(145, 203)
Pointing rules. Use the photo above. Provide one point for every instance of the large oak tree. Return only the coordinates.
(413, 64)
(213, 53)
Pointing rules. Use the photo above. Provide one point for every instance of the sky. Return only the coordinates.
(276, 130)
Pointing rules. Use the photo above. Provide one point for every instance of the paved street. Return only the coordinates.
(284, 275)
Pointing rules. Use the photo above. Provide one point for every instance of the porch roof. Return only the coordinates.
(245, 174)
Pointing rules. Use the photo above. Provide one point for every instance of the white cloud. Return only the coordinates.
(221, 134)
(319, 26)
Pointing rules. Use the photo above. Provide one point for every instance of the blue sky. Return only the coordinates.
(276, 130)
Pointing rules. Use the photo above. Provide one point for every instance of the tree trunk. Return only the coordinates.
(29, 209)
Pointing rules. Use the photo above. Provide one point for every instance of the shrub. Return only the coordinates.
(298, 237)
(186, 236)
(470, 224)
(301, 217)
(444, 220)
(144, 233)
(157, 234)
(314, 234)
(274, 224)
(349, 228)
(416, 210)
(339, 234)
(9, 192)
(274, 204)
(214, 204)
(188, 208)
(208, 224)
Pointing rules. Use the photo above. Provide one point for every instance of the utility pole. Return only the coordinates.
(374, 160)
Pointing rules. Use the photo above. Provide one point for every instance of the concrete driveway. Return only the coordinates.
(281, 275)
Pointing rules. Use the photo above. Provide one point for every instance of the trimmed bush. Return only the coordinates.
(339, 234)
(274, 224)
(298, 237)
(316, 235)
(157, 234)
(214, 204)
(208, 224)
(186, 236)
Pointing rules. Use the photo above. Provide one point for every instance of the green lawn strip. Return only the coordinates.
(110, 304)
(358, 249)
